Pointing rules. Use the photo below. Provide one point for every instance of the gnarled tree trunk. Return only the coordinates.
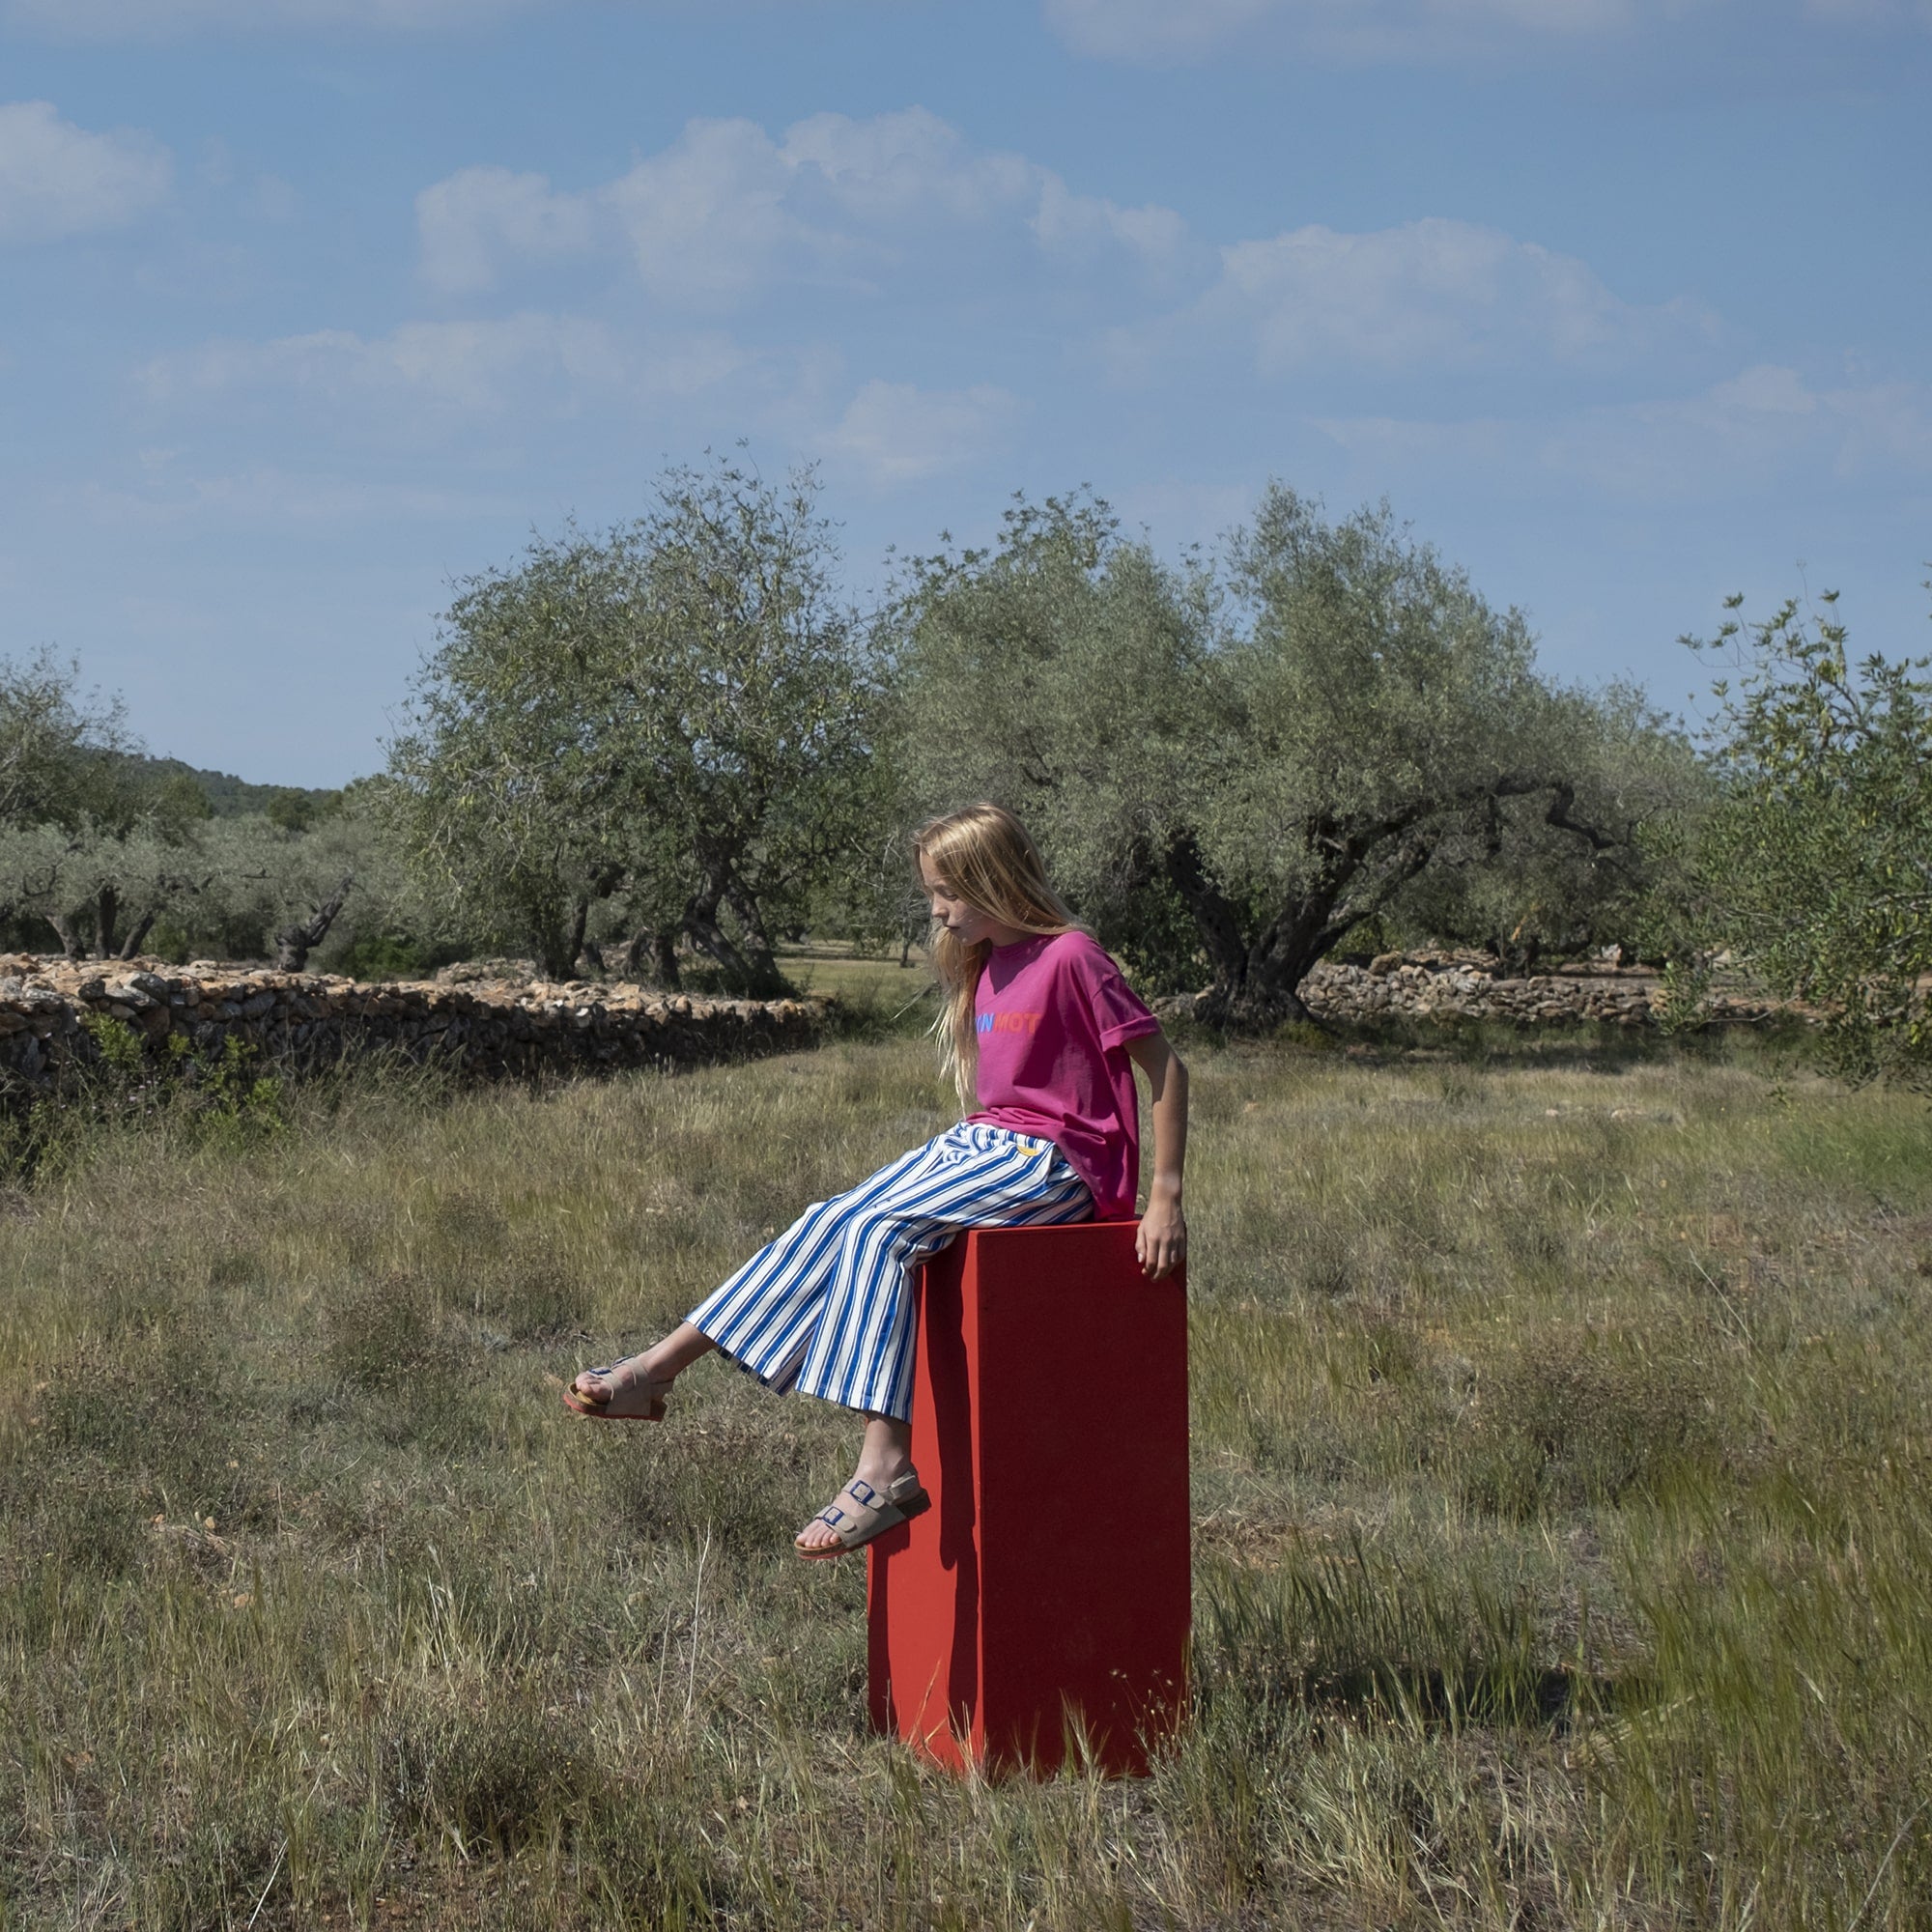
(73, 943)
(1359, 866)
(651, 955)
(137, 934)
(293, 942)
(106, 917)
(755, 973)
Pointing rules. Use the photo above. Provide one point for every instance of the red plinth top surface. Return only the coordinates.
(1047, 1590)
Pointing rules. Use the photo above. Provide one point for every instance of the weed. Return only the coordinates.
(383, 1333)
(498, 1779)
(1574, 1420)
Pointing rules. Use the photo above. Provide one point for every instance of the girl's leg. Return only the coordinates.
(862, 1350)
(885, 1450)
(761, 1316)
(827, 1307)
(765, 1315)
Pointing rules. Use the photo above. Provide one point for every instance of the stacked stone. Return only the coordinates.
(487, 1029)
(1470, 985)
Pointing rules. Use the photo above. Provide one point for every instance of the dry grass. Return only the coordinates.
(860, 979)
(1562, 1527)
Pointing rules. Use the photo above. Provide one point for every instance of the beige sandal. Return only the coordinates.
(652, 1392)
(873, 1511)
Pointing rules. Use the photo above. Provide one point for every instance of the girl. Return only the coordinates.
(1038, 1013)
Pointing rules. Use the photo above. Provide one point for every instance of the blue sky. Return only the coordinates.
(308, 307)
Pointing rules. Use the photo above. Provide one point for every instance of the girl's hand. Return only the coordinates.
(1161, 1241)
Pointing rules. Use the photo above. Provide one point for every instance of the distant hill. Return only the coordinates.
(229, 797)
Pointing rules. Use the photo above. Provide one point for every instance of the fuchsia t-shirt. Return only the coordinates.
(1054, 1018)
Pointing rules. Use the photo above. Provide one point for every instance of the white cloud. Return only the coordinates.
(1759, 431)
(476, 220)
(1434, 293)
(1152, 29)
(1136, 30)
(726, 210)
(273, 199)
(57, 179)
(1178, 513)
(894, 433)
(712, 217)
(1072, 226)
(1764, 390)
(1761, 424)
(463, 368)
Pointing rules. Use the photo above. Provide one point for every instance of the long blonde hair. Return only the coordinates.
(984, 856)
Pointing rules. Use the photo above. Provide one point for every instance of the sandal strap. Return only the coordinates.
(868, 1497)
(848, 1526)
(621, 1375)
(620, 1380)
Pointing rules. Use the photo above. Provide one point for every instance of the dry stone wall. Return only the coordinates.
(1471, 985)
(501, 1023)
(487, 1029)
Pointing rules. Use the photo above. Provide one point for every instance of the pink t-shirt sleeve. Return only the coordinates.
(1119, 1012)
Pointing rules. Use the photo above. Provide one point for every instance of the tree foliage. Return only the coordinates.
(110, 852)
(665, 727)
(1242, 765)
(94, 842)
(1813, 870)
(1529, 886)
(286, 892)
(64, 753)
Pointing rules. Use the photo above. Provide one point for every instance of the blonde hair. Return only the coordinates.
(984, 856)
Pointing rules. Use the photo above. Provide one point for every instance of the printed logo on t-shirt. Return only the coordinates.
(1027, 1023)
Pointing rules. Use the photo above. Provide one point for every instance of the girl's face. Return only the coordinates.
(966, 923)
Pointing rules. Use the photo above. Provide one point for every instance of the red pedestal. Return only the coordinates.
(1048, 1585)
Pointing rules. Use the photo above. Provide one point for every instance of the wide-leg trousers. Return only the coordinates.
(827, 1308)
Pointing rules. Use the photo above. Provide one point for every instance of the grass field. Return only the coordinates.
(882, 985)
(1563, 1518)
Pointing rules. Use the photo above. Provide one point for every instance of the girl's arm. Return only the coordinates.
(1162, 1241)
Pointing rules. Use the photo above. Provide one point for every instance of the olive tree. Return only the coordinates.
(1522, 888)
(98, 886)
(502, 797)
(95, 841)
(63, 751)
(282, 891)
(1066, 674)
(1812, 873)
(667, 725)
(110, 851)
(1249, 761)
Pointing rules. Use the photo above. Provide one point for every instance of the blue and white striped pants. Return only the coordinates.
(827, 1308)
